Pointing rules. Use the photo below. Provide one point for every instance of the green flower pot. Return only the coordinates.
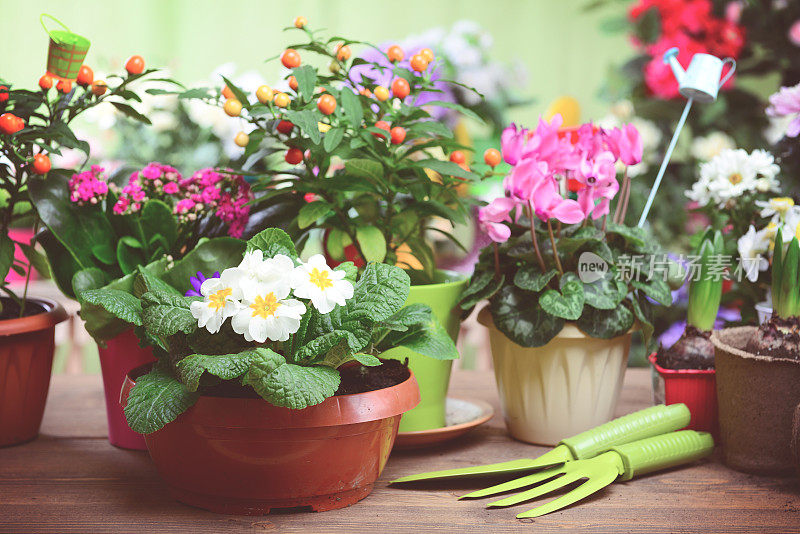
(432, 375)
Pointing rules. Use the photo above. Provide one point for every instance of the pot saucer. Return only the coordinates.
(461, 416)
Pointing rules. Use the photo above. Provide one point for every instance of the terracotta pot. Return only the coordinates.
(757, 399)
(558, 390)
(697, 389)
(246, 456)
(121, 355)
(26, 361)
(796, 439)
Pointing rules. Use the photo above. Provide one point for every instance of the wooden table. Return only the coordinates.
(71, 480)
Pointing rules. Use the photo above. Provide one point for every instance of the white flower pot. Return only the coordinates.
(561, 389)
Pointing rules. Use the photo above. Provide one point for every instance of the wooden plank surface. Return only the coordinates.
(71, 480)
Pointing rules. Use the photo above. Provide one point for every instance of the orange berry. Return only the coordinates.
(10, 123)
(365, 92)
(290, 58)
(227, 93)
(64, 86)
(282, 100)
(342, 52)
(383, 125)
(398, 135)
(326, 104)
(99, 88)
(45, 82)
(400, 88)
(4, 96)
(427, 53)
(85, 76)
(135, 65)
(232, 107)
(41, 164)
(419, 63)
(293, 156)
(381, 93)
(300, 22)
(285, 127)
(395, 54)
(458, 157)
(492, 157)
(293, 83)
(264, 94)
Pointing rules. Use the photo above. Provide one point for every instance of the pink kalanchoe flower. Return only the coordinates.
(171, 188)
(152, 171)
(492, 216)
(784, 103)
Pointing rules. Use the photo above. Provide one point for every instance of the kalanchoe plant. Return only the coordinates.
(537, 275)
(694, 349)
(780, 335)
(271, 324)
(366, 157)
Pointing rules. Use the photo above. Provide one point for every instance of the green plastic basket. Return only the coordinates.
(66, 52)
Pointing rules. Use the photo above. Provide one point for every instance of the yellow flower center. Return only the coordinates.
(265, 306)
(320, 279)
(781, 204)
(218, 298)
(735, 178)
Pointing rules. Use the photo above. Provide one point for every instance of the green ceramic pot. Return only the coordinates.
(432, 375)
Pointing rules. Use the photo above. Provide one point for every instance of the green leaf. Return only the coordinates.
(145, 282)
(658, 290)
(166, 314)
(407, 316)
(156, 400)
(91, 278)
(532, 279)
(522, 322)
(568, 304)
(643, 312)
(129, 254)
(240, 95)
(349, 268)
(333, 138)
(456, 107)
(605, 293)
(307, 121)
(430, 339)
(447, 168)
(35, 258)
(272, 242)
(118, 303)
(306, 81)
(312, 212)
(365, 168)
(157, 219)
(482, 286)
(130, 112)
(356, 330)
(320, 345)
(293, 386)
(605, 324)
(372, 243)
(366, 359)
(379, 293)
(215, 254)
(429, 129)
(225, 366)
(352, 107)
(6, 255)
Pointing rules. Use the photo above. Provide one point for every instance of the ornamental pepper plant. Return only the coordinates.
(35, 124)
(269, 326)
(369, 162)
(559, 252)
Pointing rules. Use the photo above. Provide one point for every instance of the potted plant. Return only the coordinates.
(687, 367)
(566, 285)
(366, 157)
(33, 125)
(268, 391)
(758, 375)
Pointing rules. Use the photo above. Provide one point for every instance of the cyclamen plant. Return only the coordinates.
(271, 323)
(531, 273)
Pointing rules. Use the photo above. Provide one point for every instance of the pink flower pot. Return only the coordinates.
(697, 389)
(121, 354)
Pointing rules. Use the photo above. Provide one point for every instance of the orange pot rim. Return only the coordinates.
(54, 313)
(333, 411)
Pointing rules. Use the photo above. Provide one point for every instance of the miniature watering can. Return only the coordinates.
(701, 81)
(66, 51)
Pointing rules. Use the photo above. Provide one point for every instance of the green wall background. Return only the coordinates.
(562, 45)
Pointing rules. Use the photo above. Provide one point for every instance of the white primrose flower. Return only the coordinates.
(220, 300)
(752, 246)
(325, 287)
(269, 316)
(778, 205)
(260, 275)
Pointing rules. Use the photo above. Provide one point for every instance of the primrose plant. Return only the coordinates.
(274, 324)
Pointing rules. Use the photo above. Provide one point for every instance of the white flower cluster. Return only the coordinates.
(756, 244)
(733, 173)
(256, 295)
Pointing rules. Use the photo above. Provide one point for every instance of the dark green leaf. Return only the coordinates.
(532, 279)
(120, 304)
(379, 293)
(332, 138)
(165, 314)
(129, 112)
(567, 304)
(272, 242)
(313, 211)
(224, 366)
(522, 322)
(605, 324)
(292, 386)
(156, 400)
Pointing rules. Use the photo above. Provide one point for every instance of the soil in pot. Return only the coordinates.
(693, 350)
(777, 338)
(11, 310)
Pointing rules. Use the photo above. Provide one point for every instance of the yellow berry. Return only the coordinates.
(282, 100)
(300, 22)
(264, 94)
(232, 107)
(381, 93)
(241, 139)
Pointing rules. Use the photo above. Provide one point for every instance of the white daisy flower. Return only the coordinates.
(751, 247)
(325, 287)
(710, 146)
(733, 173)
(778, 205)
(220, 301)
(268, 317)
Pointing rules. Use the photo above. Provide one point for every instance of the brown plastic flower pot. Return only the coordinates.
(26, 361)
(247, 457)
(757, 398)
(796, 439)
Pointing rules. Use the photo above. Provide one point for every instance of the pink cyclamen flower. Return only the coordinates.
(547, 203)
(784, 103)
(794, 33)
(625, 143)
(512, 142)
(492, 217)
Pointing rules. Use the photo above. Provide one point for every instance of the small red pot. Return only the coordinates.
(246, 456)
(121, 355)
(697, 389)
(26, 361)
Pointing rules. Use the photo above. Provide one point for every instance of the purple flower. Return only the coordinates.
(786, 102)
(196, 282)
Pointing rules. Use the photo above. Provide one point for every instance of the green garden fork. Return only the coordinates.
(622, 462)
(645, 423)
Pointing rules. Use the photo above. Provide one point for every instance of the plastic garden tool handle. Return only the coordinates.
(660, 452)
(652, 421)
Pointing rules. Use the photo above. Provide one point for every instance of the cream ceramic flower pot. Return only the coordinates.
(561, 389)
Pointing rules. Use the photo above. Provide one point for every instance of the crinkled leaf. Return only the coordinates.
(349, 268)
(224, 366)
(166, 314)
(413, 314)
(272, 242)
(156, 400)
(430, 339)
(379, 293)
(293, 386)
(144, 282)
(320, 345)
(118, 303)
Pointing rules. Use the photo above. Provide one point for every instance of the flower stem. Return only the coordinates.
(553, 244)
(627, 183)
(535, 241)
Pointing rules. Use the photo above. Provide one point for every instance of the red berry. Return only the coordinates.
(4, 96)
(400, 88)
(492, 157)
(41, 164)
(135, 65)
(398, 135)
(285, 127)
(294, 156)
(458, 157)
(383, 125)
